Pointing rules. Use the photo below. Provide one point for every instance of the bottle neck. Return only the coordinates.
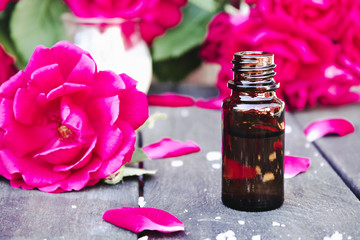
(253, 95)
(253, 72)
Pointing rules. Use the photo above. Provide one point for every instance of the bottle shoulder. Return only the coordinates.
(245, 103)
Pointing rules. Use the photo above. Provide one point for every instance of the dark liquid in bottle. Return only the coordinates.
(253, 159)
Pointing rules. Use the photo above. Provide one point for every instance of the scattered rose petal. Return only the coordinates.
(170, 100)
(318, 129)
(295, 165)
(212, 103)
(167, 148)
(141, 219)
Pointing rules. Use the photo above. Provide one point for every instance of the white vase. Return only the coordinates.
(115, 44)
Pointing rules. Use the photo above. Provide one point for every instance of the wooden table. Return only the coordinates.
(319, 203)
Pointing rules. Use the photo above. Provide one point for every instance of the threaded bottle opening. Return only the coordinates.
(253, 69)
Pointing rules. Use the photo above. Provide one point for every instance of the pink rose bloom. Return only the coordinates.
(220, 30)
(350, 42)
(330, 17)
(7, 67)
(66, 125)
(301, 54)
(155, 16)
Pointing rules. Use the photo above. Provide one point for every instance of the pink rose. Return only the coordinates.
(155, 16)
(329, 17)
(66, 125)
(350, 42)
(7, 67)
(301, 54)
(4, 3)
(218, 37)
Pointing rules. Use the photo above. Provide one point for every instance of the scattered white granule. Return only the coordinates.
(213, 156)
(216, 166)
(335, 236)
(307, 145)
(256, 237)
(185, 113)
(141, 202)
(288, 129)
(73, 206)
(144, 238)
(177, 163)
(229, 235)
(218, 218)
(241, 222)
(276, 224)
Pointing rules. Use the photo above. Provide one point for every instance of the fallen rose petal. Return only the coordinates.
(170, 100)
(318, 129)
(167, 148)
(141, 219)
(212, 103)
(295, 165)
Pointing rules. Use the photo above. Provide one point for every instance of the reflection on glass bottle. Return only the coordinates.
(115, 44)
(253, 136)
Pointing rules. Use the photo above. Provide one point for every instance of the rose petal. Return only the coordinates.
(25, 111)
(167, 148)
(212, 103)
(46, 78)
(9, 88)
(107, 84)
(141, 219)
(295, 165)
(170, 100)
(318, 129)
(83, 72)
(133, 107)
(126, 149)
(77, 180)
(33, 173)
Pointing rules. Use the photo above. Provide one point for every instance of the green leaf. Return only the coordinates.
(36, 22)
(176, 69)
(5, 39)
(139, 155)
(189, 34)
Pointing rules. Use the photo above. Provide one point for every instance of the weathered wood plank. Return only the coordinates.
(342, 153)
(73, 215)
(195, 91)
(317, 203)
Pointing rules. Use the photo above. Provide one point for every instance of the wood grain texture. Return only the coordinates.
(317, 203)
(73, 215)
(342, 153)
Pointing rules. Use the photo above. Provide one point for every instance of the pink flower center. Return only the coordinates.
(64, 132)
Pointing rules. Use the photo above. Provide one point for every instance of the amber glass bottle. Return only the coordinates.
(253, 136)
